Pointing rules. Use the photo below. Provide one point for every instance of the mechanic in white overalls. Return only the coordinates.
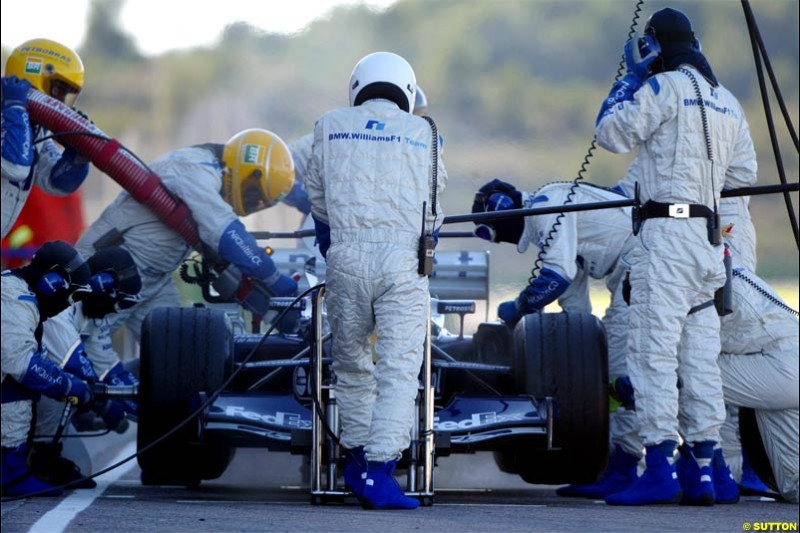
(740, 238)
(759, 364)
(219, 183)
(577, 246)
(79, 341)
(691, 133)
(301, 154)
(56, 277)
(57, 71)
(371, 190)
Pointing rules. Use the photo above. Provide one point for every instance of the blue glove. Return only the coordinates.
(15, 91)
(621, 91)
(298, 197)
(113, 414)
(43, 375)
(547, 286)
(79, 390)
(508, 313)
(69, 171)
(79, 365)
(282, 286)
(323, 231)
(640, 52)
(237, 246)
(17, 133)
(118, 375)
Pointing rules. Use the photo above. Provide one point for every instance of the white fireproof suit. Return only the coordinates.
(588, 244)
(63, 334)
(368, 177)
(672, 265)
(734, 213)
(760, 367)
(195, 176)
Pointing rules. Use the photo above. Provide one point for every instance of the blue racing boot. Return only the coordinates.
(381, 490)
(618, 477)
(725, 489)
(355, 471)
(18, 479)
(697, 482)
(659, 483)
(751, 484)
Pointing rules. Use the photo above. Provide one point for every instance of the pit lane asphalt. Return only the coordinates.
(261, 492)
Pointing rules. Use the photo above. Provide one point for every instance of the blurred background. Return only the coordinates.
(514, 86)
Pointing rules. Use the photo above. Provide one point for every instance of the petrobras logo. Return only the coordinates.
(45, 52)
(250, 153)
(375, 125)
(33, 65)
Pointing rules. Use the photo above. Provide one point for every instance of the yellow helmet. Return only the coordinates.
(52, 68)
(259, 171)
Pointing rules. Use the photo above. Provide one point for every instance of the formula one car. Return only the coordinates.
(537, 395)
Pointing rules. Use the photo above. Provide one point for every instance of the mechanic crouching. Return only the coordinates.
(759, 365)
(56, 277)
(374, 202)
(79, 341)
(219, 183)
(573, 248)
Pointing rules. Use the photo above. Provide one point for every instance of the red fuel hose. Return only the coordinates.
(112, 158)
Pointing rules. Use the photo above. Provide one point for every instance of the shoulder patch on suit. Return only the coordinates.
(654, 84)
(28, 298)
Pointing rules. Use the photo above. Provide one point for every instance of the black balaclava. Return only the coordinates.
(55, 256)
(127, 282)
(507, 229)
(673, 31)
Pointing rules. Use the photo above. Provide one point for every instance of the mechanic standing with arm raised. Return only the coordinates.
(56, 277)
(370, 181)
(57, 71)
(219, 183)
(691, 132)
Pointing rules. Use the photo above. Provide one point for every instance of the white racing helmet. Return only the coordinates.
(384, 75)
(421, 102)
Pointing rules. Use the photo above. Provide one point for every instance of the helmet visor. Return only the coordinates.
(64, 92)
(252, 193)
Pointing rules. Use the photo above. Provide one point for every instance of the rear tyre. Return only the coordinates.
(184, 351)
(564, 356)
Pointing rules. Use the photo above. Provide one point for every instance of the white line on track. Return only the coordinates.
(57, 519)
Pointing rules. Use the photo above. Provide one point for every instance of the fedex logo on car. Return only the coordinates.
(278, 419)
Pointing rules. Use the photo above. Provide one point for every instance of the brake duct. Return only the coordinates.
(108, 155)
